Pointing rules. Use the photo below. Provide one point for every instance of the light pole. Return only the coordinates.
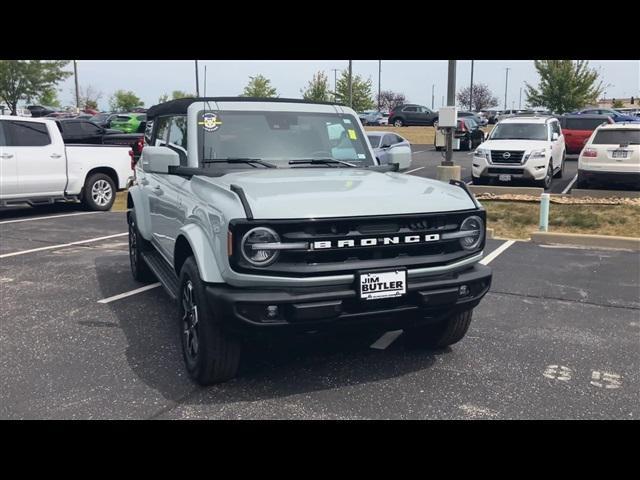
(432, 96)
(335, 82)
(197, 82)
(75, 75)
(350, 84)
(451, 101)
(506, 82)
(471, 89)
(520, 102)
(379, 77)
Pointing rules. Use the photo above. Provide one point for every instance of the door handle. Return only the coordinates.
(6, 155)
(55, 155)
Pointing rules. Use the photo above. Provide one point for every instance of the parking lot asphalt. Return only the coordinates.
(425, 161)
(558, 336)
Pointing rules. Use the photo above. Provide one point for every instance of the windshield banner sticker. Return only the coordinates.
(352, 134)
(210, 121)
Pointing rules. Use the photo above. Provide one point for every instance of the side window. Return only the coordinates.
(3, 141)
(387, 140)
(71, 128)
(555, 128)
(162, 128)
(410, 109)
(89, 128)
(177, 139)
(398, 139)
(148, 130)
(26, 134)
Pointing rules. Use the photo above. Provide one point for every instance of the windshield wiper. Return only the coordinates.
(250, 161)
(320, 161)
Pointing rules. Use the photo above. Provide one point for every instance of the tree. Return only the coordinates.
(176, 94)
(617, 104)
(362, 96)
(259, 86)
(124, 101)
(389, 100)
(26, 79)
(317, 89)
(483, 98)
(564, 85)
(49, 98)
(89, 97)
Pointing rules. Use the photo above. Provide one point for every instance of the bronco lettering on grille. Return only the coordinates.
(372, 242)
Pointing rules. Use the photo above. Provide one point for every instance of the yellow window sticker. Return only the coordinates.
(352, 134)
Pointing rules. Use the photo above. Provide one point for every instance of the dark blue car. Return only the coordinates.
(615, 116)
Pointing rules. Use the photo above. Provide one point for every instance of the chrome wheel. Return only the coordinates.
(190, 328)
(101, 193)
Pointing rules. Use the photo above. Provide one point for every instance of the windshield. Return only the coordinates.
(374, 140)
(519, 131)
(278, 137)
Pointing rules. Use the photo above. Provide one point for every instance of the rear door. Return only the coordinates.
(8, 167)
(411, 115)
(40, 156)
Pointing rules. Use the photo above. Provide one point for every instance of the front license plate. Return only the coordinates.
(504, 178)
(378, 285)
(619, 154)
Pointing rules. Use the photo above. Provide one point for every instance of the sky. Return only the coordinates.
(150, 79)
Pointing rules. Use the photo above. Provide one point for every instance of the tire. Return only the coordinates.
(210, 355)
(99, 192)
(438, 149)
(467, 146)
(398, 122)
(139, 268)
(442, 334)
(546, 181)
(560, 172)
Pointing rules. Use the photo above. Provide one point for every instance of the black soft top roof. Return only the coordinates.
(180, 106)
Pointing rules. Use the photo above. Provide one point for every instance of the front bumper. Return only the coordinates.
(303, 309)
(534, 169)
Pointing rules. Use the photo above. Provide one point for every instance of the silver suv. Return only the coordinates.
(262, 217)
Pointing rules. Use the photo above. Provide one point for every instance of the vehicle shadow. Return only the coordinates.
(26, 211)
(269, 369)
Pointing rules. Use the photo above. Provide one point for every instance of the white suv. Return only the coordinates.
(521, 148)
(611, 155)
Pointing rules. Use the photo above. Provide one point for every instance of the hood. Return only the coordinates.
(515, 144)
(341, 192)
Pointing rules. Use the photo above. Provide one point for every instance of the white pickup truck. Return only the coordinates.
(36, 167)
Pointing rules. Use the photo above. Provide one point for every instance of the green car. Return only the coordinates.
(129, 122)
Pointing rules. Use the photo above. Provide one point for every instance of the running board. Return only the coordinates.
(163, 271)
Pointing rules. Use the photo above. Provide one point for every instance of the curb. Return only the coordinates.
(603, 241)
(578, 192)
(478, 189)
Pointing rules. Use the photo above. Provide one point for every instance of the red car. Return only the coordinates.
(578, 128)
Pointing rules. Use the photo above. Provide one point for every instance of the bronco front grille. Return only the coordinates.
(334, 260)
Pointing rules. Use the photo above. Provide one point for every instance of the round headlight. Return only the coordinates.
(475, 227)
(256, 256)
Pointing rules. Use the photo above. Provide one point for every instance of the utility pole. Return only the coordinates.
(442, 102)
(520, 102)
(433, 96)
(197, 83)
(350, 84)
(379, 78)
(75, 75)
(471, 90)
(335, 82)
(447, 170)
(506, 82)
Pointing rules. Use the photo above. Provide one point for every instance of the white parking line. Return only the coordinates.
(415, 169)
(47, 218)
(128, 294)
(419, 151)
(52, 247)
(489, 258)
(568, 187)
(385, 340)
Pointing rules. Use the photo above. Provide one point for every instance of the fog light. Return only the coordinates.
(272, 312)
(463, 291)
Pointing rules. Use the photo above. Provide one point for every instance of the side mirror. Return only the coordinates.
(554, 136)
(159, 159)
